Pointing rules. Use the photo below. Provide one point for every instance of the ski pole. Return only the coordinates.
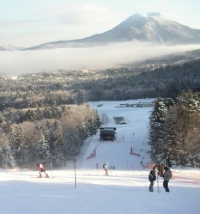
(157, 183)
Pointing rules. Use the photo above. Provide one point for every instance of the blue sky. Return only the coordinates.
(33, 22)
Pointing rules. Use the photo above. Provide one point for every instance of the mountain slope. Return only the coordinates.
(132, 134)
(150, 27)
(87, 190)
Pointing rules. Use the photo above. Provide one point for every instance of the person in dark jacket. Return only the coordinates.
(152, 178)
(167, 175)
(42, 169)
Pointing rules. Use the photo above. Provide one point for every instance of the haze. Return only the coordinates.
(19, 62)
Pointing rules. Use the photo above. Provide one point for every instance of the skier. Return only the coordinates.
(166, 176)
(152, 178)
(160, 169)
(42, 169)
(105, 166)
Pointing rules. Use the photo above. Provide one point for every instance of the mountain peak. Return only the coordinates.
(154, 27)
(149, 14)
(156, 15)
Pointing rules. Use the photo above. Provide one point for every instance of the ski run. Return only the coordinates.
(83, 187)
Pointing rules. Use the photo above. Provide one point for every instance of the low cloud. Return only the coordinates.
(20, 62)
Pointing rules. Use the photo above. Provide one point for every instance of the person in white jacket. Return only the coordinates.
(167, 175)
(105, 166)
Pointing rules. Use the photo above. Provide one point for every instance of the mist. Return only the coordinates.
(20, 62)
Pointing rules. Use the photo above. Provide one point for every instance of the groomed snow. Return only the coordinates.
(123, 191)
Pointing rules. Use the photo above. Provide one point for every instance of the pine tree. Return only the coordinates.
(17, 146)
(93, 121)
(156, 133)
(57, 145)
(42, 148)
(182, 131)
(6, 155)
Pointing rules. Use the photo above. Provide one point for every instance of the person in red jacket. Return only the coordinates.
(42, 169)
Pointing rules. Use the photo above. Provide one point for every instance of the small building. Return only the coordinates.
(107, 133)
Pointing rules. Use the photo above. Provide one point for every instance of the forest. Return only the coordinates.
(174, 135)
(51, 135)
(77, 87)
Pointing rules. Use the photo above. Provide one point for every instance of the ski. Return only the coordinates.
(44, 177)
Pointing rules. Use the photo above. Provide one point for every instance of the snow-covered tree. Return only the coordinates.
(7, 158)
(57, 145)
(183, 131)
(17, 146)
(156, 132)
(42, 148)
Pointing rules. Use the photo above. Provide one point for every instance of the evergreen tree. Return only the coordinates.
(182, 131)
(17, 146)
(57, 145)
(156, 133)
(6, 155)
(42, 148)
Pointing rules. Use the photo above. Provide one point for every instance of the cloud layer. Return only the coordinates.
(19, 62)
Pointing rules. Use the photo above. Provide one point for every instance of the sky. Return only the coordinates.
(88, 190)
(30, 23)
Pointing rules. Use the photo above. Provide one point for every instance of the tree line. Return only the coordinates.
(76, 87)
(50, 141)
(174, 136)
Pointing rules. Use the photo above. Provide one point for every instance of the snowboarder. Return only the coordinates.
(166, 176)
(42, 169)
(105, 167)
(152, 178)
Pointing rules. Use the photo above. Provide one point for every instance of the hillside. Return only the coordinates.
(163, 76)
(88, 190)
(127, 136)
